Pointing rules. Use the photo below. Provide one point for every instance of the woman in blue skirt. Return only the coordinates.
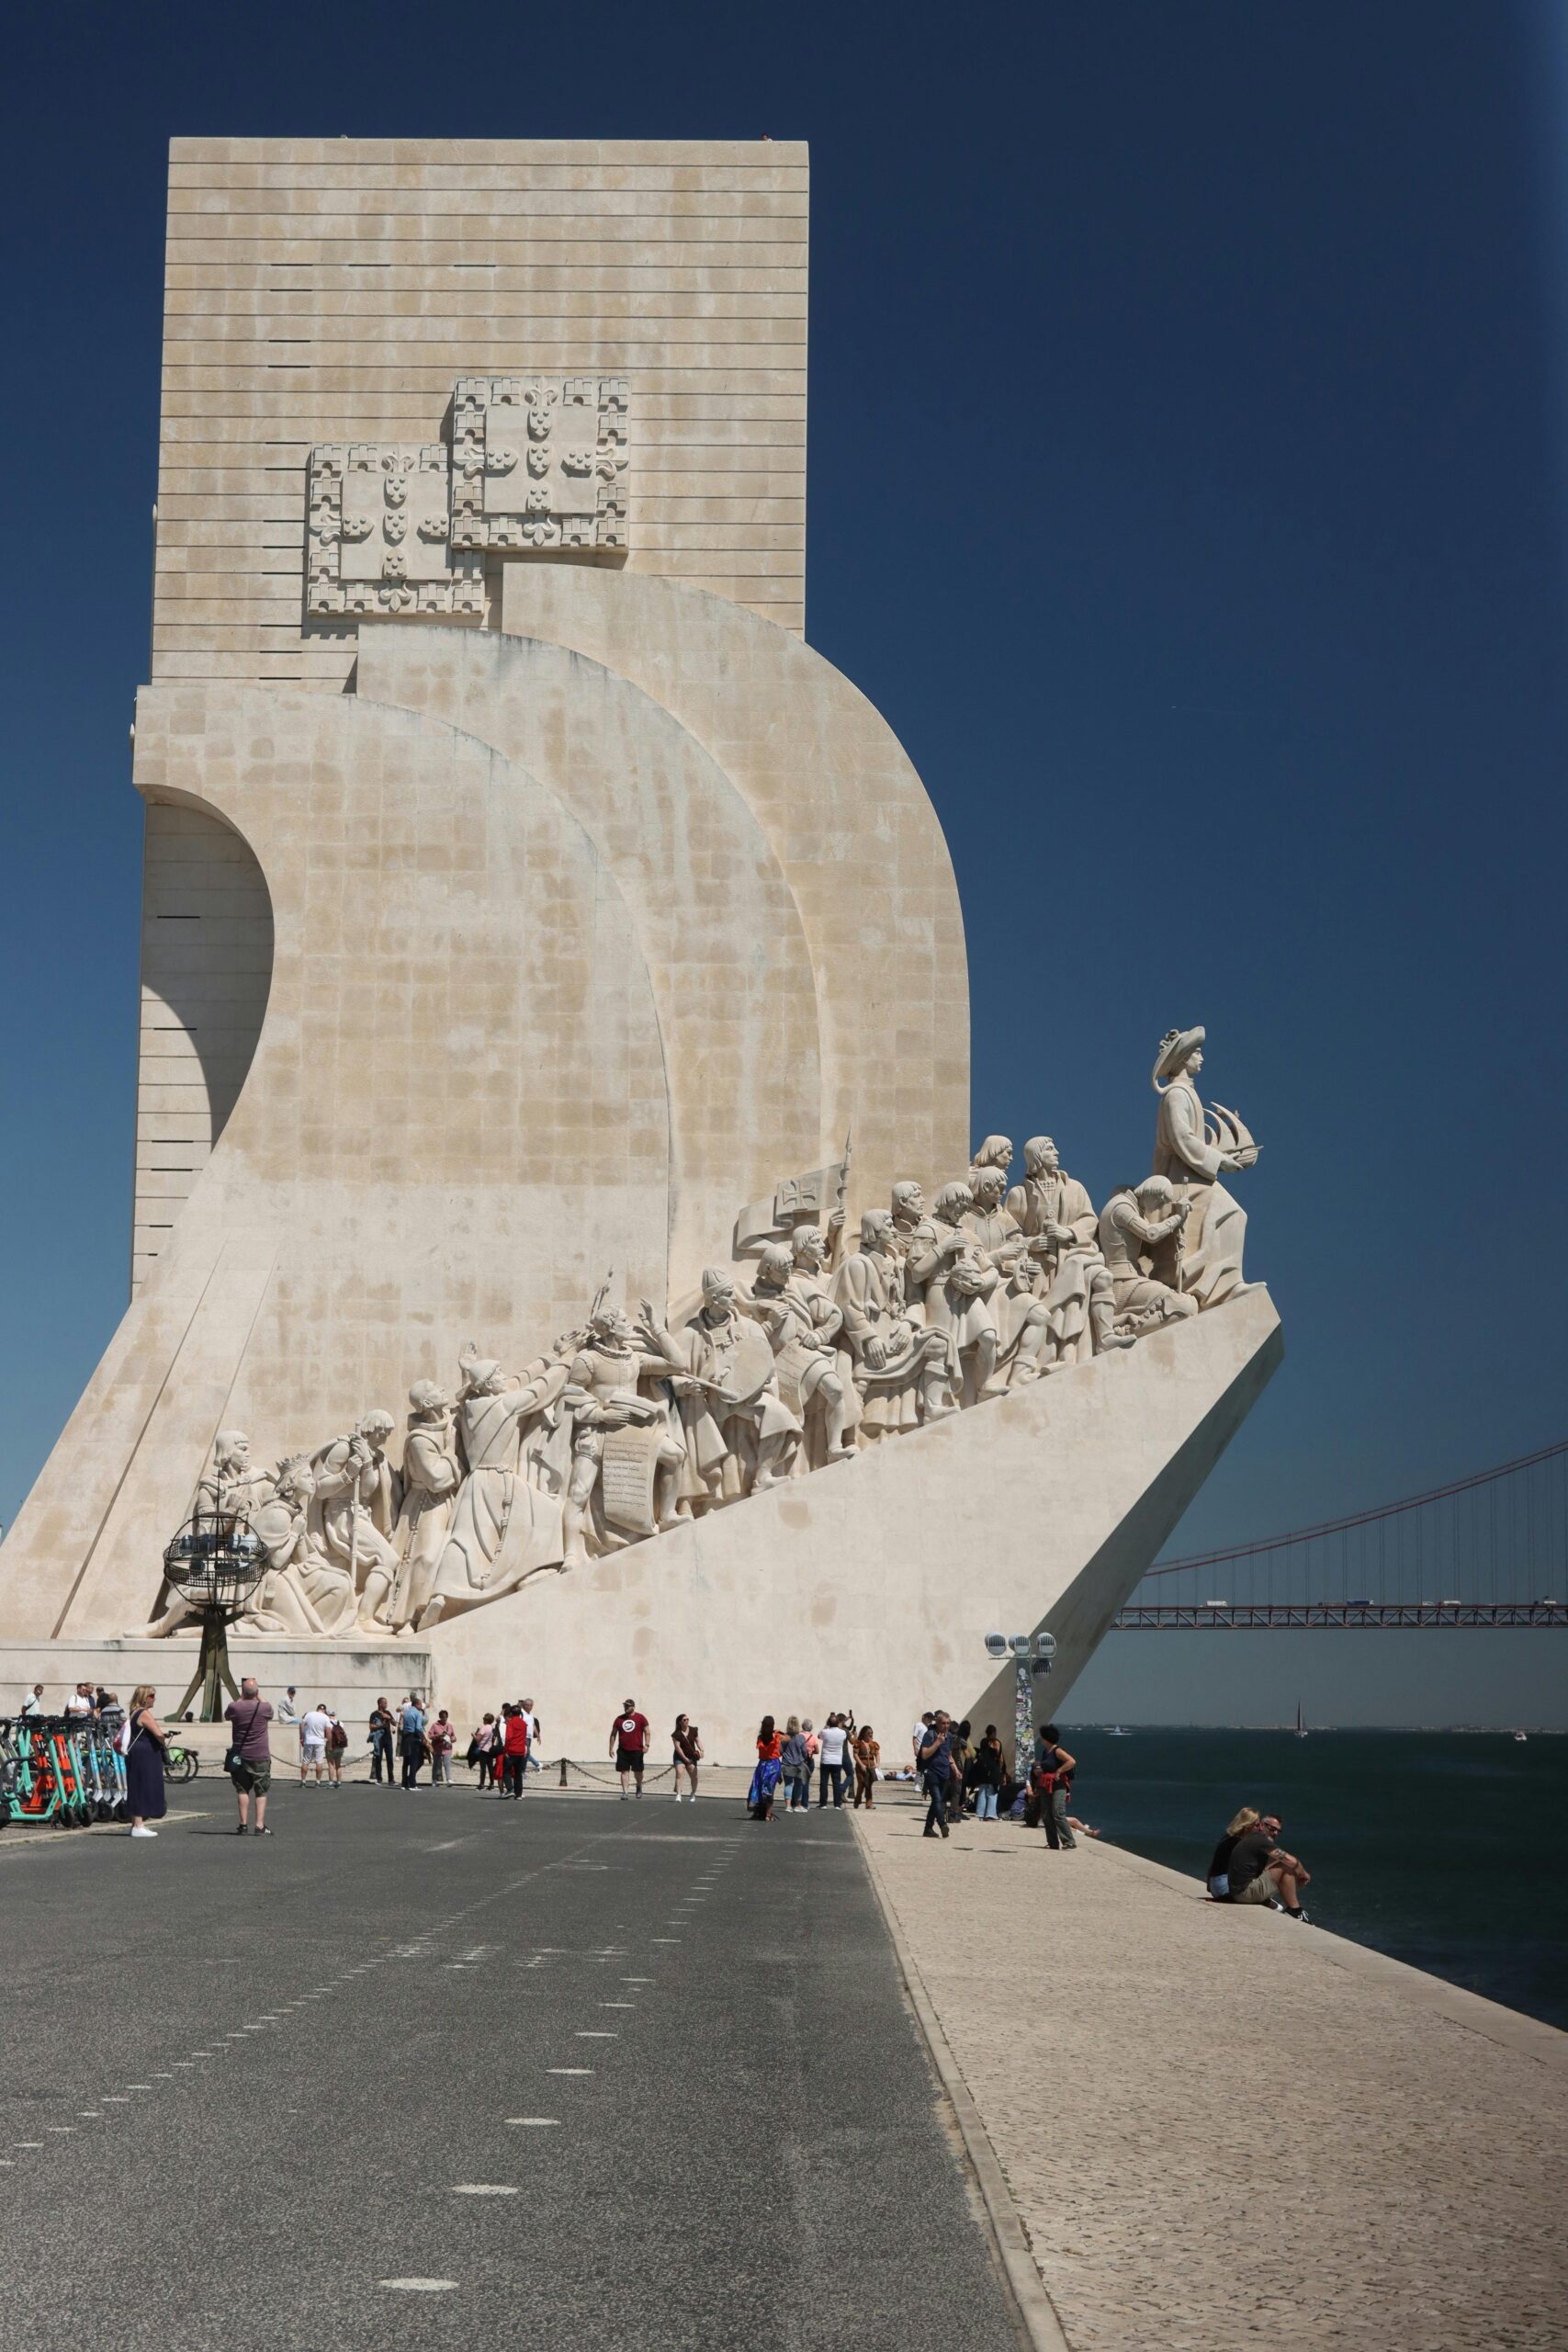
(766, 1778)
(144, 1763)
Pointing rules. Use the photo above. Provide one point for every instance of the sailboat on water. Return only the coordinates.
(1300, 1722)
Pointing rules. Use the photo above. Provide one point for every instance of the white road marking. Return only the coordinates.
(569, 2070)
(639, 1979)
(617, 2005)
(481, 2188)
(27, 2143)
(590, 2034)
(88, 2114)
(419, 2286)
(536, 2122)
(139, 2087)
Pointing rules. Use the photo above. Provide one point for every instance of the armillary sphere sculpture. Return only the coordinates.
(215, 1563)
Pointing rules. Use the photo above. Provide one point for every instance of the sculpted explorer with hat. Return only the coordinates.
(1192, 1150)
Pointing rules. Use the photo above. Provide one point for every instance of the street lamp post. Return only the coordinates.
(1032, 1655)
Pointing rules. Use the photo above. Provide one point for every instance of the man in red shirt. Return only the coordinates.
(513, 1751)
(628, 1746)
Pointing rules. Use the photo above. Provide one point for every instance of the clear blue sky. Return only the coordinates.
(1232, 661)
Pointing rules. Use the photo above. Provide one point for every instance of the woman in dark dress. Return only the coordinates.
(144, 1763)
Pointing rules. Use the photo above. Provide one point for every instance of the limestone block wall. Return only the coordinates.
(331, 292)
(206, 968)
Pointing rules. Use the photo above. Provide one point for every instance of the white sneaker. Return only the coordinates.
(144, 1833)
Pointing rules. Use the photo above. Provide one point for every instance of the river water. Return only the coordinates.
(1440, 1847)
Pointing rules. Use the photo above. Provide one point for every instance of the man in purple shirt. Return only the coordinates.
(250, 1714)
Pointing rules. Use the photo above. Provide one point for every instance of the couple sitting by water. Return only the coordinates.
(1249, 1865)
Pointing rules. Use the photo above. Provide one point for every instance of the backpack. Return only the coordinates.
(337, 1739)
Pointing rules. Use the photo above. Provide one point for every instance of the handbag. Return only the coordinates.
(235, 1761)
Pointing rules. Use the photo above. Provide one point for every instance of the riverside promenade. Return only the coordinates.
(1203, 2129)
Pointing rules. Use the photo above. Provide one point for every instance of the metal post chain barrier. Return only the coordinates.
(602, 1779)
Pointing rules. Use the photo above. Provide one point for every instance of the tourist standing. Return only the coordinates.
(483, 1751)
(535, 1759)
(919, 1738)
(513, 1751)
(628, 1746)
(79, 1705)
(145, 1796)
(249, 1754)
(314, 1725)
(381, 1742)
(443, 1738)
(1050, 1786)
(410, 1741)
(935, 1760)
(867, 1753)
(33, 1703)
(830, 1764)
(989, 1769)
(795, 1765)
(688, 1748)
(337, 1747)
(766, 1778)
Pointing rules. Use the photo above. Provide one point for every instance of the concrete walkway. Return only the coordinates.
(573, 2075)
(1222, 2129)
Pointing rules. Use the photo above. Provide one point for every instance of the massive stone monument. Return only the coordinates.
(556, 1226)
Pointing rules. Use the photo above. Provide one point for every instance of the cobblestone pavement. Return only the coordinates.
(1222, 2130)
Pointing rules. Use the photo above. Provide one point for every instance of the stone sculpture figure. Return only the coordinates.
(608, 1408)
(1140, 1239)
(803, 1326)
(353, 1513)
(231, 1487)
(1193, 1151)
(281, 1602)
(958, 1281)
(504, 1530)
(740, 1436)
(1080, 1307)
(994, 1152)
(902, 1370)
(233, 1484)
(1050, 1205)
(990, 1225)
(432, 1472)
(912, 1233)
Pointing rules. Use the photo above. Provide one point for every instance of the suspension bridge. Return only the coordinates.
(1490, 1550)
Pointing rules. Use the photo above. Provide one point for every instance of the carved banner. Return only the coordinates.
(627, 1465)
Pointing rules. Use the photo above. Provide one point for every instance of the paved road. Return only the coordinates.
(619, 2074)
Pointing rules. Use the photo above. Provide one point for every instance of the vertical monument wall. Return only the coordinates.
(331, 290)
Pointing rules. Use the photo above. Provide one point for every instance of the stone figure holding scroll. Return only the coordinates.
(1050, 1206)
(1192, 1150)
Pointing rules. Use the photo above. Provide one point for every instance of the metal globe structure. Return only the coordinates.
(215, 1563)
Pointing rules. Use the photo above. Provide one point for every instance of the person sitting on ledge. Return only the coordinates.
(1218, 1873)
(1259, 1870)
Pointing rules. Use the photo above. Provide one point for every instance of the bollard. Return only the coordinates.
(563, 1771)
